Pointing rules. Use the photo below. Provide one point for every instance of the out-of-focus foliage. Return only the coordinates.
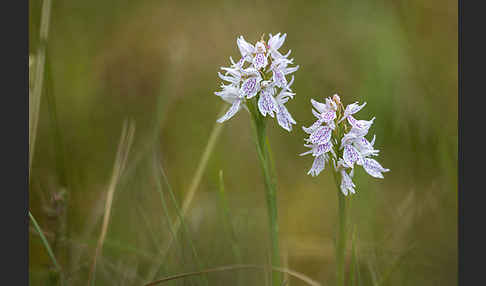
(156, 62)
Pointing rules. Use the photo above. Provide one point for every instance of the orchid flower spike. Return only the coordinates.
(259, 79)
(337, 137)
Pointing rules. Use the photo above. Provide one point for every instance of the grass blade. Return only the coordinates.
(213, 137)
(292, 273)
(227, 220)
(227, 225)
(173, 235)
(180, 215)
(200, 168)
(35, 96)
(388, 271)
(45, 242)
(126, 140)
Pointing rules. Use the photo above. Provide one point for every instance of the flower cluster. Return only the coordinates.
(338, 137)
(260, 74)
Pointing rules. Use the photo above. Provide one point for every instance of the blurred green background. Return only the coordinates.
(156, 62)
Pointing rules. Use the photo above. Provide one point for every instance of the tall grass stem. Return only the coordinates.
(180, 215)
(163, 253)
(126, 140)
(228, 226)
(45, 242)
(290, 272)
(196, 179)
(35, 97)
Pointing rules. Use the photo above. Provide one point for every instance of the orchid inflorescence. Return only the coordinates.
(338, 137)
(259, 78)
(257, 82)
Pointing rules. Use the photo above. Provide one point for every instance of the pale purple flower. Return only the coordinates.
(332, 139)
(274, 43)
(280, 69)
(347, 185)
(351, 109)
(261, 73)
(284, 118)
(351, 155)
(246, 49)
(250, 86)
(267, 104)
(260, 59)
(231, 95)
(318, 165)
(321, 135)
(324, 112)
(374, 168)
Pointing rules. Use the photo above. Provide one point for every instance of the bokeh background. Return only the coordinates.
(156, 63)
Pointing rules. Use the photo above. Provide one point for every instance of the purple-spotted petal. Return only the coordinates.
(231, 112)
(267, 104)
(250, 87)
(365, 143)
(365, 147)
(284, 118)
(317, 166)
(260, 61)
(374, 168)
(279, 78)
(360, 124)
(313, 127)
(321, 135)
(353, 108)
(321, 149)
(348, 138)
(351, 155)
(351, 120)
(347, 184)
(329, 116)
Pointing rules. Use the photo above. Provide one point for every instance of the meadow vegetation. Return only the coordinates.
(133, 180)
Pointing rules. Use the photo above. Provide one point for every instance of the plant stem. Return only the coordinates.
(270, 190)
(341, 238)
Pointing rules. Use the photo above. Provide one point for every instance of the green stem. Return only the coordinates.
(270, 189)
(47, 246)
(341, 238)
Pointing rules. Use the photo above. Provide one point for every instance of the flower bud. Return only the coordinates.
(336, 99)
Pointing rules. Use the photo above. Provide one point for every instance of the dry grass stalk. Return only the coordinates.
(197, 176)
(292, 273)
(38, 62)
(126, 140)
